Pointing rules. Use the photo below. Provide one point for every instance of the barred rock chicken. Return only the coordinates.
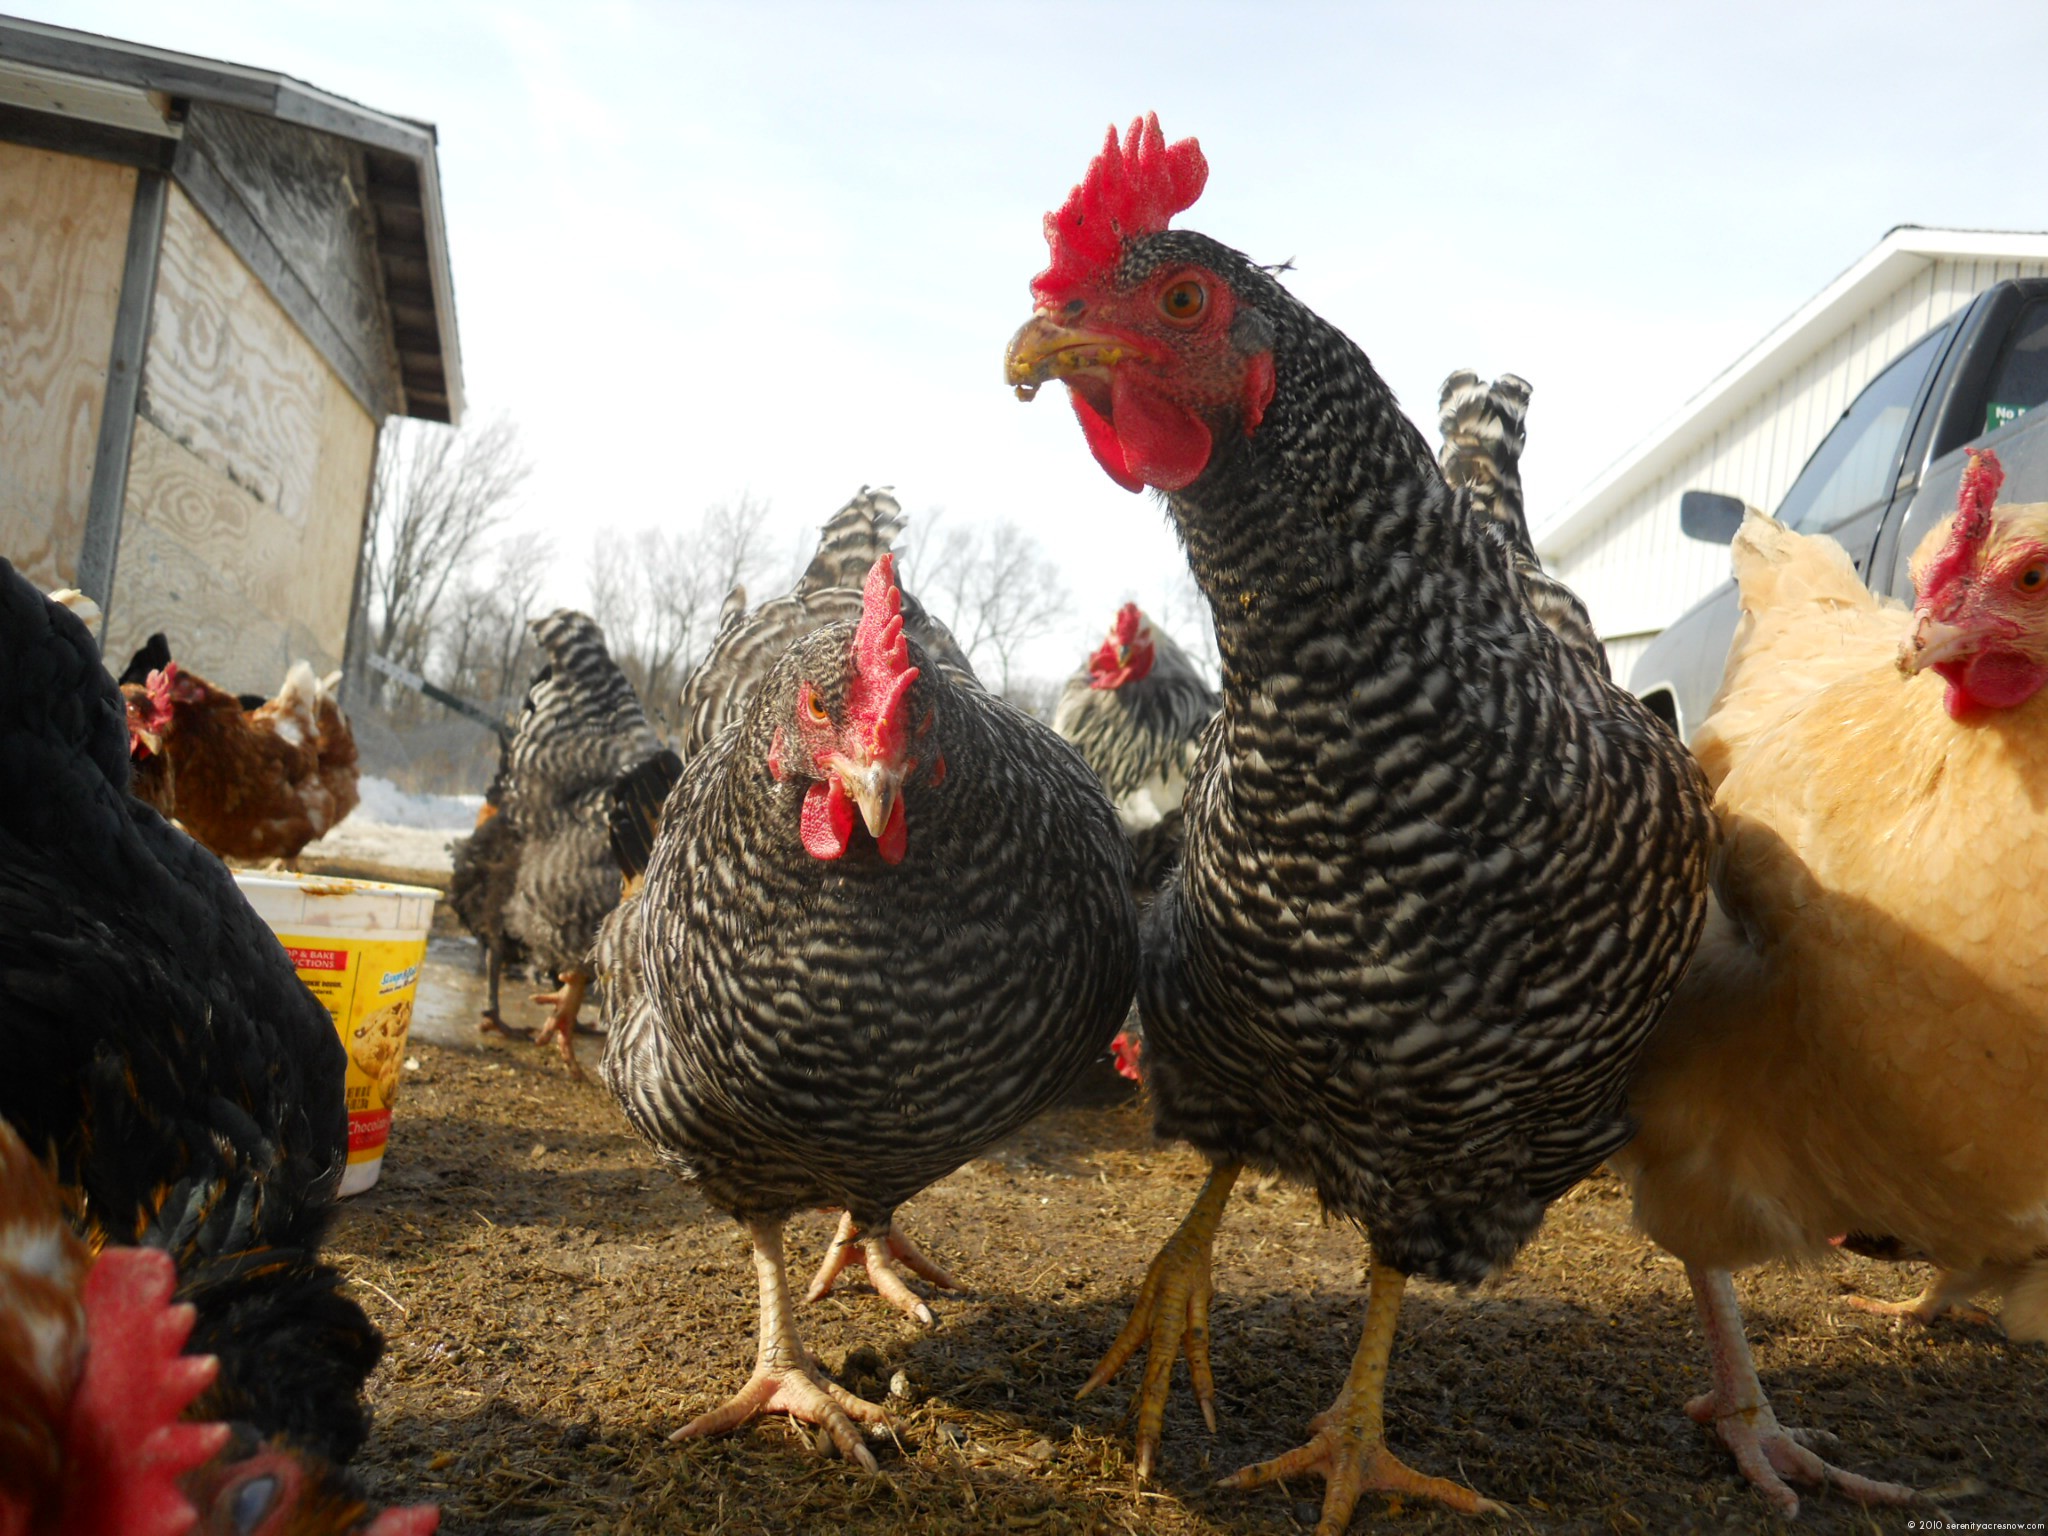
(483, 871)
(1862, 1043)
(1439, 875)
(887, 919)
(1483, 428)
(1135, 711)
(582, 726)
(166, 1059)
(249, 783)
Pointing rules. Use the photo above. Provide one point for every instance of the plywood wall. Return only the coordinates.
(63, 242)
(247, 479)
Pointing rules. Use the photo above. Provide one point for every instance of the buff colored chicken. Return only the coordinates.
(1861, 1045)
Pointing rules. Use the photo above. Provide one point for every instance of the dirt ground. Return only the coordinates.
(556, 1303)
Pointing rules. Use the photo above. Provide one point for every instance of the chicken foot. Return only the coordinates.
(1349, 1445)
(566, 1001)
(786, 1377)
(1947, 1295)
(1171, 1315)
(878, 1253)
(1736, 1409)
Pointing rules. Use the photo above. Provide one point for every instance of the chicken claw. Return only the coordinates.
(1172, 1315)
(1736, 1409)
(1947, 1296)
(565, 1003)
(786, 1378)
(877, 1252)
(1348, 1445)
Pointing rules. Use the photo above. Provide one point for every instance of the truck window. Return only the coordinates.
(1854, 464)
(2020, 380)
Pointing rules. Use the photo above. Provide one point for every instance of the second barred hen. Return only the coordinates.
(886, 921)
(581, 727)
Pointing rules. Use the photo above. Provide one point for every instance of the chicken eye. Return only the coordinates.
(252, 1502)
(2032, 577)
(1184, 302)
(817, 711)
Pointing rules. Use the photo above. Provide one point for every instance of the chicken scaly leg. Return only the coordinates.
(1172, 1314)
(1736, 1409)
(878, 1253)
(565, 1002)
(1349, 1447)
(1947, 1295)
(786, 1378)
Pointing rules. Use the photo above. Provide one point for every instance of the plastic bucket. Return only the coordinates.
(358, 946)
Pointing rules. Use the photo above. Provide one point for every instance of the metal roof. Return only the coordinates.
(54, 69)
(1886, 266)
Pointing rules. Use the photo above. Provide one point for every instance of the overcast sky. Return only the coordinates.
(701, 250)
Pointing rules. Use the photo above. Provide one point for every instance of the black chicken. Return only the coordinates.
(483, 871)
(164, 1057)
(581, 727)
(1439, 875)
(887, 919)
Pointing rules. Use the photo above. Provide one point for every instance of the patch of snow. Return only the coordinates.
(400, 830)
(384, 802)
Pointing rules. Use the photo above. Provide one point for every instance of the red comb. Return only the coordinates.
(881, 660)
(126, 1446)
(1132, 188)
(1126, 626)
(1981, 483)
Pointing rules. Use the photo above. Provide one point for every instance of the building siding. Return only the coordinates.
(1637, 571)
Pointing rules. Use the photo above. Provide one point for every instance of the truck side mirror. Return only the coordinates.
(1709, 516)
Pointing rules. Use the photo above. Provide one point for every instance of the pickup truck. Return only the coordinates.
(1887, 472)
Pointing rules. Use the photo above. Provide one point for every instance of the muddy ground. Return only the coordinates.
(556, 1303)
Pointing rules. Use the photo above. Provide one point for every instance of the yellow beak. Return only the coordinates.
(874, 787)
(1044, 349)
(1931, 641)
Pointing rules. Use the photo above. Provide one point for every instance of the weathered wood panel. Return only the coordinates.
(296, 205)
(246, 477)
(228, 375)
(63, 233)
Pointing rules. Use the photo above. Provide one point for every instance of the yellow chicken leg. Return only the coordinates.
(565, 1002)
(786, 1379)
(1172, 1314)
(878, 1253)
(1350, 1447)
(1947, 1295)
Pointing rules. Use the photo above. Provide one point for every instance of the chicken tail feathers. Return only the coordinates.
(634, 817)
(852, 540)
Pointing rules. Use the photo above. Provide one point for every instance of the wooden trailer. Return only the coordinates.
(216, 283)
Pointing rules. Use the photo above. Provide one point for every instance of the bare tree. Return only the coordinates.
(658, 592)
(1185, 613)
(994, 585)
(438, 492)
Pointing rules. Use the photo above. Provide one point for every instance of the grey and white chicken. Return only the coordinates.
(1439, 875)
(886, 920)
(581, 727)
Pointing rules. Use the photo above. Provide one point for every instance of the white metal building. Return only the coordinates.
(1749, 431)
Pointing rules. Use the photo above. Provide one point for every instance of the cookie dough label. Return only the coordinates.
(367, 988)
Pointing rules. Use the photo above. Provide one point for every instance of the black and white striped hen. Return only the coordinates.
(1439, 875)
(1136, 711)
(581, 727)
(887, 920)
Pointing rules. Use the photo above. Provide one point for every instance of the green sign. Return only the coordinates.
(1997, 414)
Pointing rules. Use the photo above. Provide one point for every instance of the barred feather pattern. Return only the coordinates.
(750, 642)
(581, 727)
(790, 1031)
(1440, 875)
(1483, 427)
